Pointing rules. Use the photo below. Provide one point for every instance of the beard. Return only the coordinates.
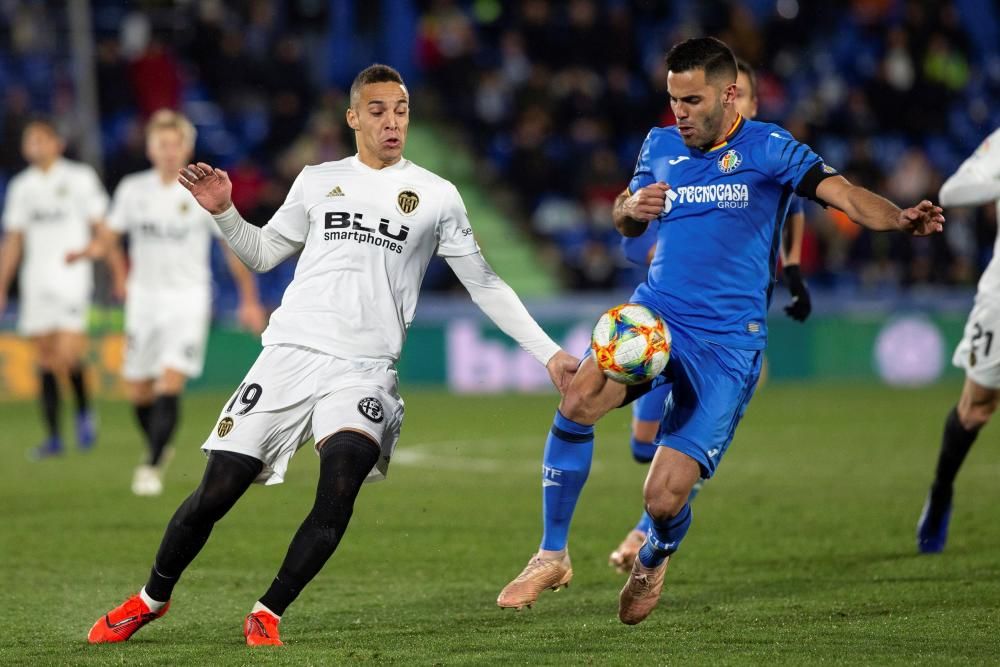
(706, 131)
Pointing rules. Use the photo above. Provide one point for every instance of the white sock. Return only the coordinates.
(154, 605)
(259, 607)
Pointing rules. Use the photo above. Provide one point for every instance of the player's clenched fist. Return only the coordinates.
(211, 187)
(648, 203)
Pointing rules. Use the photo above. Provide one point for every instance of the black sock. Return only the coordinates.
(346, 459)
(227, 477)
(955, 444)
(79, 388)
(162, 422)
(144, 415)
(50, 402)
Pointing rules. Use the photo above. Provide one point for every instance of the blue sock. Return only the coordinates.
(642, 451)
(696, 489)
(665, 537)
(645, 523)
(565, 466)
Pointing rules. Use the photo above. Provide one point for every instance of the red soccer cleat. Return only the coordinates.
(261, 629)
(123, 621)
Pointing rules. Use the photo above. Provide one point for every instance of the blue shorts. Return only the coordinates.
(712, 385)
(649, 406)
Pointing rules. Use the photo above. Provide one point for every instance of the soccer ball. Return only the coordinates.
(631, 344)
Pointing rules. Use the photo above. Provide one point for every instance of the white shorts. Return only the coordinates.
(294, 394)
(43, 312)
(978, 352)
(162, 334)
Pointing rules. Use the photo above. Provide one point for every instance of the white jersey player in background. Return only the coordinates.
(169, 304)
(51, 210)
(976, 182)
(367, 226)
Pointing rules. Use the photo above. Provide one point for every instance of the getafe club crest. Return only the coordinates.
(407, 202)
(730, 160)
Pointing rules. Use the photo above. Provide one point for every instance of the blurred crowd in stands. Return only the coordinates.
(552, 98)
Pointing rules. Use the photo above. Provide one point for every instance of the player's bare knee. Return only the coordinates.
(574, 405)
(977, 415)
(57, 364)
(45, 363)
(663, 503)
(590, 395)
(171, 382)
(139, 393)
(45, 356)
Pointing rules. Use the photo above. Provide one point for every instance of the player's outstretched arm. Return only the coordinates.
(969, 189)
(633, 212)
(260, 249)
(495, 298)
(870, 210)
(211, 187)
(977, 181)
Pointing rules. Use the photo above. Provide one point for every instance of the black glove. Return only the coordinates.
(801, 304)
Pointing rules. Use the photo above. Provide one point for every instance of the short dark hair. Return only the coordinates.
(706, 53)
(744, 66)
(376, 73)
(44, 121)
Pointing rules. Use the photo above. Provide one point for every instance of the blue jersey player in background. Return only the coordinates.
(720, 187)
(647, 411)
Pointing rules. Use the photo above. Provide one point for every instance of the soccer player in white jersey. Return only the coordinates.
(169, 304)
(367, 227)
(977, 182)
(51, 210)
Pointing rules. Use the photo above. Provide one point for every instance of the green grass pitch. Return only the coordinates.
(802, 548)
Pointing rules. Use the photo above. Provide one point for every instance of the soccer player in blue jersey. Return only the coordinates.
(648, 409)
(720, 187)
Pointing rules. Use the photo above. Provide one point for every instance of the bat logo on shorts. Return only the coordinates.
(371, 408)
(225, 426)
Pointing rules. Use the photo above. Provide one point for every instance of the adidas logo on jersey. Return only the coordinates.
(336, 192)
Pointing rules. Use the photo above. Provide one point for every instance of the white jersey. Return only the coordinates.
(368, 237)
(54, 210)
(170, 236)
(977, 182)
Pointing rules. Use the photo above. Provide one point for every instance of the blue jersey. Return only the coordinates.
(717, 244)
(637, 248)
